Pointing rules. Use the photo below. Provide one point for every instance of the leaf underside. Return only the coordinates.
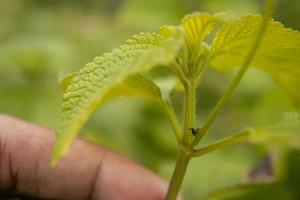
(110, 75)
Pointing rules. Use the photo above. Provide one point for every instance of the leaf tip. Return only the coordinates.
(53, 162)
(57, 152)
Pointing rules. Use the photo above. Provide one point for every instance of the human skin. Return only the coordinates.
(87, 171)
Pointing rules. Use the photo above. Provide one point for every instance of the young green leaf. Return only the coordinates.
(110, 75)
(197, 26)
(278, 54)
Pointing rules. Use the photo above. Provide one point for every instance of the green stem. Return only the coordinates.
(178, 71)
(236, 80)
(178, 176)
(189, 111)
(183, 159)
(167, 107)
(235, 139)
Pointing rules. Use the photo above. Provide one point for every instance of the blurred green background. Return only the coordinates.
(41, 40)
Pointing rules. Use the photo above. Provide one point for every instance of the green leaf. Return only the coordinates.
(113, 74)
(278, 55)
(258, 191)
(197, 26)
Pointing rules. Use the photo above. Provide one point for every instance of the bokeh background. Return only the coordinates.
(41, 40)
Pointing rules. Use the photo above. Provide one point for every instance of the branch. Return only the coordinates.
(236, 139)
(172, 118)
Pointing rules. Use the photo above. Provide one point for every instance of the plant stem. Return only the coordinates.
(189, 110)
(184, 158)
(172, 118)
(235, 139)
(236, 80)
(178, 175)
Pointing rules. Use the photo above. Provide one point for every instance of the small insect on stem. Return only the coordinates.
(195, 131)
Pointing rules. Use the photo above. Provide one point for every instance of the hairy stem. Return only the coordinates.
(189, 110)
(184, 158)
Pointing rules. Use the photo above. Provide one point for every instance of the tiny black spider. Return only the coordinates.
(195, 131)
